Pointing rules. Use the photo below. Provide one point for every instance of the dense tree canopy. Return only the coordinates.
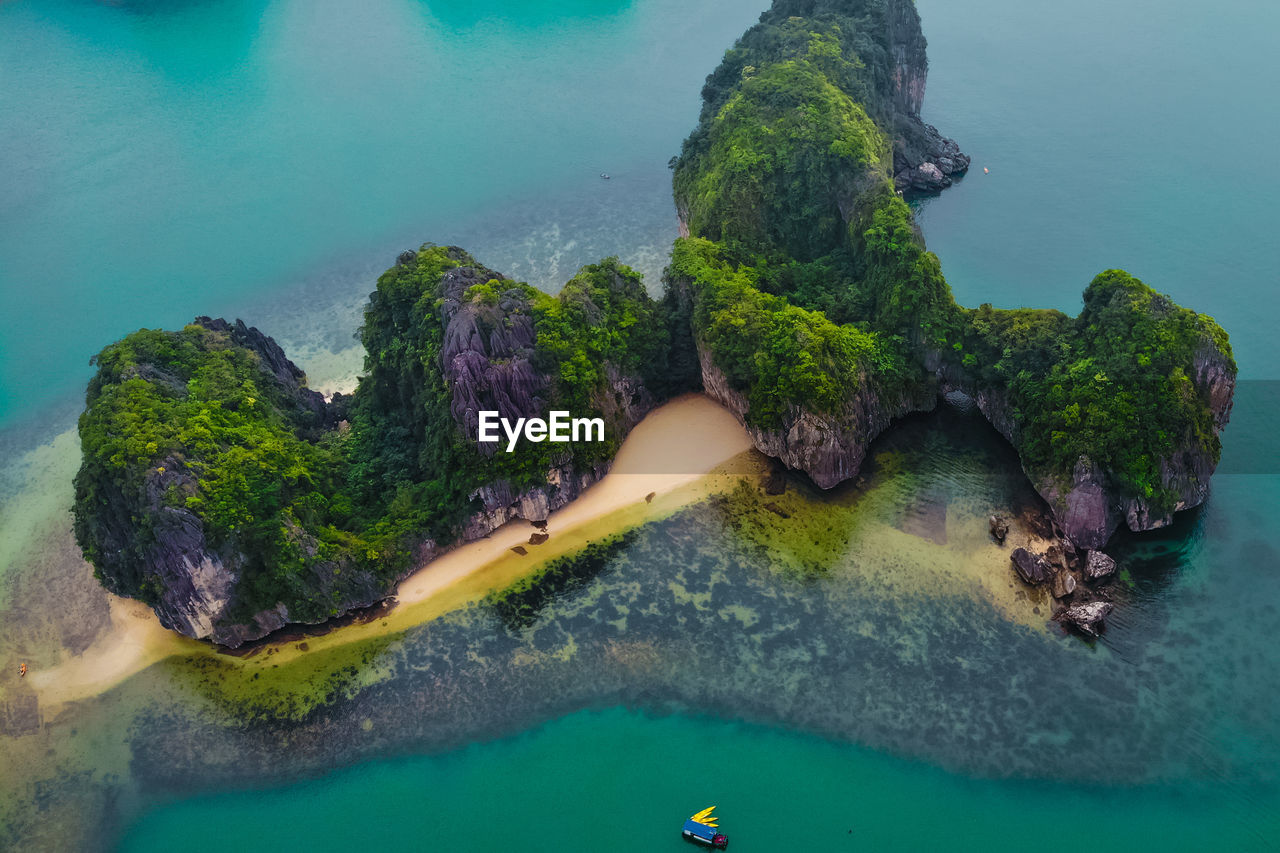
(199, 420)
(787, 176)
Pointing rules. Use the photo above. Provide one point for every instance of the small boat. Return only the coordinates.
(702, 829)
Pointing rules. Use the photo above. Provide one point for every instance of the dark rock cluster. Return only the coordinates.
(924, 160)
(1073, 577)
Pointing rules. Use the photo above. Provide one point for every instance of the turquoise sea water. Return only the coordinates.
(261, 159)
(623, 781)
(162, 160)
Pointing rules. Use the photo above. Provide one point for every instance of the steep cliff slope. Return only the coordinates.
(207, 481)
(790, 185)
(219, 489)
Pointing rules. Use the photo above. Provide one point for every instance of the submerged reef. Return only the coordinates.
(219, 489)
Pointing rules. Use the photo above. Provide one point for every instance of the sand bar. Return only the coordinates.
(675, 445)
(663, 459)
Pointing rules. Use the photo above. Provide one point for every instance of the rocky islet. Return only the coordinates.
(855, 313)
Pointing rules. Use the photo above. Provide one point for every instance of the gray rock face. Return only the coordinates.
(829, 448)
(1086, 510)
(1098, 566)
(197, 582)
(1089, 618)
(487, 359)
(908, 48)
(1031, 568)
(487, 353)
(503, 504)
(923, 159)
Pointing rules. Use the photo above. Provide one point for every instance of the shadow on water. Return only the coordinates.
(1151, 561)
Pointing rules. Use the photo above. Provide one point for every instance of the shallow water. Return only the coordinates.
(863, 659)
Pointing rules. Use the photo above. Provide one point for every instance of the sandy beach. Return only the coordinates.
(654, 473)
(675, 445)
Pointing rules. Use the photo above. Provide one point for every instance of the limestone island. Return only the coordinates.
(220, 490)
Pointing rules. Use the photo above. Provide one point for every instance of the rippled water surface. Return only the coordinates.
(860, 663)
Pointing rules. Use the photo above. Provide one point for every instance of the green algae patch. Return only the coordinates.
(519, 604)
(802, 532)
(263, 687)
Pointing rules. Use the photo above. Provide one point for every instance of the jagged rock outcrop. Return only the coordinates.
(487, 358)
(487, 353)
(1098, 566)
(1088, 618)
(923, 159)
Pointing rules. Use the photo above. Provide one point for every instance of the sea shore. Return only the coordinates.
(681, 452)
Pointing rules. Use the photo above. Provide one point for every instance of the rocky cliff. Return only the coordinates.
(488, 360)
(923, 159)
(812, 334)
(221, 490)
(829, 448)
(1092, 504)
(1116, 413)
(142, 511)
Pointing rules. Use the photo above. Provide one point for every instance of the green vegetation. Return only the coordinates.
(187, 419)
(311, 516)
(804, 279)
(603, 316)
(414, 470)
(809, 280)
(777, 354)
(1112, 385)
(783, 159)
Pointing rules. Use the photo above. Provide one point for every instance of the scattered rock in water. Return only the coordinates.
(1032, 568)
(1088, 619)
(304, 647)
(541, 524)
(999, 528)
(1064, 584)
(520, 549)
(538, 538)
(1099, 566)
(649, 497)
